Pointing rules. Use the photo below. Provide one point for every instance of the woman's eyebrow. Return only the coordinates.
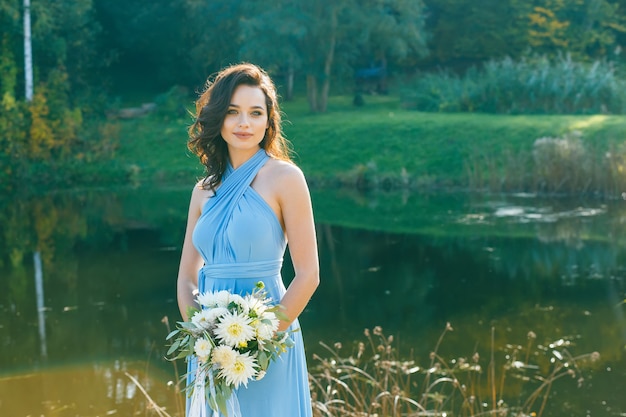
(254, 107)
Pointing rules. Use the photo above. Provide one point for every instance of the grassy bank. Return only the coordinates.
(382, 144)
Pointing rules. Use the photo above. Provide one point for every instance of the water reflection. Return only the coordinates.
(407, 262)
(41, 318)
(103, 389)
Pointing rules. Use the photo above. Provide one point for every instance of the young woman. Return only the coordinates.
(252, 202)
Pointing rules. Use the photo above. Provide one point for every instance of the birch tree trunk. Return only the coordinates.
(28, 53)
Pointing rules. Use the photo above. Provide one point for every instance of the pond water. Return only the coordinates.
(495, 267)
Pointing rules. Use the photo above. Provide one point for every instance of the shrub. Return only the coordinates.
(174, 103)
(48, 140)
(562, 164)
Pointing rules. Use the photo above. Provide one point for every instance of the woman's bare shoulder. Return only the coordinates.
(286, 180)
(200, 188)
(280, 171)
(200, 194)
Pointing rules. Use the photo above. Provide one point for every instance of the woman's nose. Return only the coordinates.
(243, 120)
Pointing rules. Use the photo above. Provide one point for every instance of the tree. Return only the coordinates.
(46, 127)
(466, 33)
(11, 39)
(283, 58)
(213, 35)
(298, 34)
(587, 29)
(621, 35)
(327, 38)
(144, 41)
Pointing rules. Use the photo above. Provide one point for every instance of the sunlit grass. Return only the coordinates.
(381, 145)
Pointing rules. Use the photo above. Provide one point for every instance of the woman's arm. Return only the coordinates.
(190, 260)
(297, 215)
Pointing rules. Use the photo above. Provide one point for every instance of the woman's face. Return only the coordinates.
(246, 119)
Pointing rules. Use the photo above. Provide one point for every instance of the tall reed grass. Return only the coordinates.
(532, 85)
(373, 380)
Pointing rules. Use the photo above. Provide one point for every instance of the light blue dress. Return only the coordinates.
(242, 242)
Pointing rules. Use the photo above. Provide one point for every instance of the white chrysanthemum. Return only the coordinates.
(255, 305)
(213, 299)
(214, 314)
(203, 319)
(206, 299)
(202, 348)
(234, 330)
(266, 326)
(223, 298)
(240, 371)
(223, 356)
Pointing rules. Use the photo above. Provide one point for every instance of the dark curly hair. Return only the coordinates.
(205, 139)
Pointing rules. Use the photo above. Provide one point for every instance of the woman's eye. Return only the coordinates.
(231, 111)
(256, 113)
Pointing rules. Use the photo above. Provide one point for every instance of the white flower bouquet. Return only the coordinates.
(233, 339)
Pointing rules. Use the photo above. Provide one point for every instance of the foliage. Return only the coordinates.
(44, 140)
(327, 38)
(174, 103)
(528, 86)
(142, 41)
(468, 33)
(13, 134)
(64, 38)
(465, 34)
(151, 45)
(161, 43)
(48, 141)
(375, 380)
(587, 29)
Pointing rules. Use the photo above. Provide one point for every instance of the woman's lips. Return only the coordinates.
(243, 135)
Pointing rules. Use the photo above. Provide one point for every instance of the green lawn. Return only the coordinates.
(377, 141)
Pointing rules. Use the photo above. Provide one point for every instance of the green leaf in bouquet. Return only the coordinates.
(233, 306)
(187, 325)
(252, 346)
(174, 346)
(172, 334)
(264, 360)
(278, 311)
(220, 399)
(181, 355)
(191, 311)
